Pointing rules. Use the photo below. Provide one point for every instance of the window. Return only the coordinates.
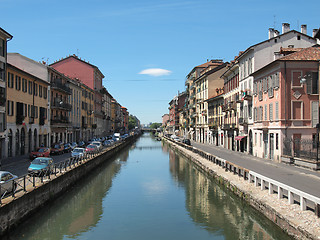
(10, 109)
(312, 82)
(295, 78)
(2, 71)
(271, 112)
(2, 47)
(314, 113)
(45, 92)
(270, 86)
(30, 87)
(35, 89)
(298, 37)
(276, 81)
(277, 111)
(40, 90)
(18, 83)
(10, 80)
(314, 141)
(277, 141)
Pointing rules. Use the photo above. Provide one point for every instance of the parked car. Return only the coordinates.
(98, 144)
(40, 152)
(91, 148)
(41, 166)
(7, 182)
(107, 143)
(186, 141)
(74, 145)
(78, 152)
(57, 148)
(81, 144)
(67, 148)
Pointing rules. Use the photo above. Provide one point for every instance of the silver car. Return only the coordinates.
(7, 183)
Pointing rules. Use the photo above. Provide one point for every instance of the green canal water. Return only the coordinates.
(147, 192)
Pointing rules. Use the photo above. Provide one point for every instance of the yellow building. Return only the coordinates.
(87, 113)
(27, 111)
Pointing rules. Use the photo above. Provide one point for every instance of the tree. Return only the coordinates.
(155, 125)
(132, 122)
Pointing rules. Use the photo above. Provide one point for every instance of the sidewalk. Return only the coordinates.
(300, 178)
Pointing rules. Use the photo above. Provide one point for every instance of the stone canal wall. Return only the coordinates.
(18, 209)
(289, 217)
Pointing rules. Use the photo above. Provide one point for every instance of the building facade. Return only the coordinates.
(27, 112)
(4, 38)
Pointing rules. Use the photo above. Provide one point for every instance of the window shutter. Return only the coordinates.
(276, 80)
(271, 112)
(265, 112)
(315, 113)
(277, 111)
(309, 83)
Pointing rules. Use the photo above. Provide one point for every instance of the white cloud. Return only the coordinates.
(156, 72)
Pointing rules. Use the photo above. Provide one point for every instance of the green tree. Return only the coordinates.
(132, 122)
(155, 125)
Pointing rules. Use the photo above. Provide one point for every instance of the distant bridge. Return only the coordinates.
(149, 130)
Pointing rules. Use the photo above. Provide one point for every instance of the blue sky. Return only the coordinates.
(124, 38)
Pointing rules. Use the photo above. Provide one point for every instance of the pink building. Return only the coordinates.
(90, 75)
(286, 106)
(165, 119)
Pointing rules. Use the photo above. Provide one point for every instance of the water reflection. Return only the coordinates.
(78, 211)
(215, 209)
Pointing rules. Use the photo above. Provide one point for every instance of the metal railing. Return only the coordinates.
(26, 183)
(294, 196)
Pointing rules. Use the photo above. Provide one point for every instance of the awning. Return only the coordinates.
(239, 138)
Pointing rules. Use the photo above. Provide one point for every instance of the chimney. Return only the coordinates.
(271, 33)
(285, 27)
(304, 29)
(314, 32)
(276, 33)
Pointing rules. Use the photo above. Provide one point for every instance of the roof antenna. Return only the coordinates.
(274, 21)
(77, 52)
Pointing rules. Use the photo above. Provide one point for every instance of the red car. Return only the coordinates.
(40, 152)
(91, 148)
(57, 148)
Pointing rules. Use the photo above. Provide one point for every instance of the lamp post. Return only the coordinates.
(317, 141)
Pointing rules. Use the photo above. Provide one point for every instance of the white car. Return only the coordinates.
(98, 144)
(78, 152)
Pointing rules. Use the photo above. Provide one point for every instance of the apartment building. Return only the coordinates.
(27, 111)
(75, 113)
(4, 38)
(90, 75)
(60, 107)
(286, 106)
(191, 102)
(87, 113)
(206, 86)
(256, 57)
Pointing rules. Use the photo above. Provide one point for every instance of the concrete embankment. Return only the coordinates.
(289, 217)
(16, 210)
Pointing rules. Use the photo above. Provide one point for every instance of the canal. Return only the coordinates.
(147, 192)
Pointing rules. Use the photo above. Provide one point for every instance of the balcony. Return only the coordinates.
(229, 107)
(60, 121)
(238, 98)
(243, 121)
(19, 119)
(2, 101)
(229, 126)
(58, 103)
(58, 85)
(247, 95)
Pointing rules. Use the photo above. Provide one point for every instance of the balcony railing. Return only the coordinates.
(243, 121)
(2, 101)
(247, 95)
(57, 103)
(60, 86)
(19, 119)
(59, 120)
